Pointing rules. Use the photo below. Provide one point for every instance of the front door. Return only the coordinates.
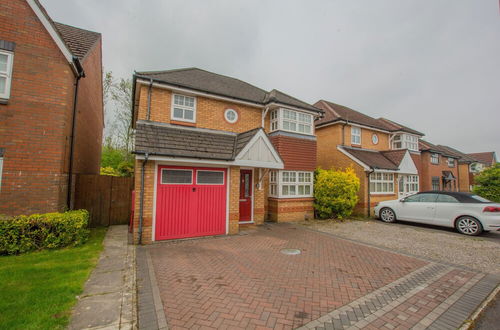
(246, 192)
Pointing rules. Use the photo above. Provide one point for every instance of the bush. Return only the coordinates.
(488, 183)
(335, 193)
(23, 233)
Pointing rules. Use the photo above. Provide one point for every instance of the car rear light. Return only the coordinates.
(491, 209)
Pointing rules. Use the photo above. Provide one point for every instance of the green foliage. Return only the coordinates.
(335, 192)
(39, 289)
(23, 233)
(488, 183)
(116, 161)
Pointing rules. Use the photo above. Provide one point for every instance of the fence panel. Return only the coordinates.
(107, 198)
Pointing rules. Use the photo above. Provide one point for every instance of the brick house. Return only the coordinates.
(384, 154)
(214, 153)
(466, 164)
(439, 169)
(482, 160)
(51, 107)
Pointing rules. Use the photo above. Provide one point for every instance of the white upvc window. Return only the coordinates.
(290, 184)
(183, 108)
(451, 162)
(405, 141)
(355, 135)
(381, 183)
(291, 121)
(412, 182)
(6, 60)
(434, 158)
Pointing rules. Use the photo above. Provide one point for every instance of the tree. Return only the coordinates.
(117, 158)
(488, 183)
(335, 192)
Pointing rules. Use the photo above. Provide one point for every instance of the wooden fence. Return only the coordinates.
(107, 198)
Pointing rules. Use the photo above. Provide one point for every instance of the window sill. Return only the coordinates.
(291, 198)
(184, 123)
(4, 101)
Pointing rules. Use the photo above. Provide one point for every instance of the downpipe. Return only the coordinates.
(141, 203)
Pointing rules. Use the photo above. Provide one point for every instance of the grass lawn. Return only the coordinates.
(38, 290)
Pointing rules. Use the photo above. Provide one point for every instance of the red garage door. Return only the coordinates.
(190, 202)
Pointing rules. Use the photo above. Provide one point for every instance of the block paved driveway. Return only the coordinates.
(244, 281)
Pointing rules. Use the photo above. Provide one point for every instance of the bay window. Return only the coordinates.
(381, 183)
(291, 184)
(405, 141)
(291, 121)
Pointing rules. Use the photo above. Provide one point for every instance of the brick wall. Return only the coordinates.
(297, 154)
(464, 178)
(34, 125)
(209, 112)
(430, 170)
(292, 209)
(90, 116)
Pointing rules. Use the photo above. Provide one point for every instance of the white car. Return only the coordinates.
(468, 213)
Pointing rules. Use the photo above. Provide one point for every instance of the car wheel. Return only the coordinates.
(469, 226)
(387, 215)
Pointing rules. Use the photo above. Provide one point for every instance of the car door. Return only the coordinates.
(447, 208)
(418, 208)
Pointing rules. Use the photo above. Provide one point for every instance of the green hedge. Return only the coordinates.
(23, 233)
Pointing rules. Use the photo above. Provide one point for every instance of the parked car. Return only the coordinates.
(468, 213)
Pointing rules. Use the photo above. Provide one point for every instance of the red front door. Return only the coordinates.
(246, 191)
(190, 202)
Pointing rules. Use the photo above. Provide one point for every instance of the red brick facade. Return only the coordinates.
(430, 170)
(298, 154)
(35, 122)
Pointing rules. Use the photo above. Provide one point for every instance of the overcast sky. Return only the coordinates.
(432, 65)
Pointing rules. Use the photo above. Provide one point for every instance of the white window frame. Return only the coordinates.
(434, 179)
(412, 182)
(183, 107)
(277, 182)
(406, 141)
(176, 169)
(236, 116)
(7, 74)
(355, 134)
(277, 118)
(435, 158)
(382, 178)
(210, 184)
(451, 162)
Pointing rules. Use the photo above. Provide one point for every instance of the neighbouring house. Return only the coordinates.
(483, 160)
(214, 153)
(384, 154)
(439, 167)
(465, 165)
(51, 108)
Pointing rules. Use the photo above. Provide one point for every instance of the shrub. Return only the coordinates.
(335, 193)
(23, 233)
(488, 183)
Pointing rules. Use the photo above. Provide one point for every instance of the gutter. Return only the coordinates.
(80, 74)
(141, 205)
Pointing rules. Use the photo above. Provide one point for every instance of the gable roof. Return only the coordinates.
(168, 140)
(72, 41)
(372, 158)
(336, 112)
(79, 41)
(213, 83)
(488, 158)
(395, 156)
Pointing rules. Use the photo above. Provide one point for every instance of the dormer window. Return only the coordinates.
(184, 108)
(405, 141)
(355, 135)
(291, 121)
(434, 159)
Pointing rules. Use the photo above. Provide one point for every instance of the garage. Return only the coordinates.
(190, 202)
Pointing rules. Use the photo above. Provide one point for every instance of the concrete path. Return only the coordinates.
(108, 299)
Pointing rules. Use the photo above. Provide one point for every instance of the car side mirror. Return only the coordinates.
(402, 200)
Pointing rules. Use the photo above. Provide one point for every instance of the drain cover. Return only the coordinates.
(290, 251)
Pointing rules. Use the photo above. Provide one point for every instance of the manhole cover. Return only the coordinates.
(290, 251)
